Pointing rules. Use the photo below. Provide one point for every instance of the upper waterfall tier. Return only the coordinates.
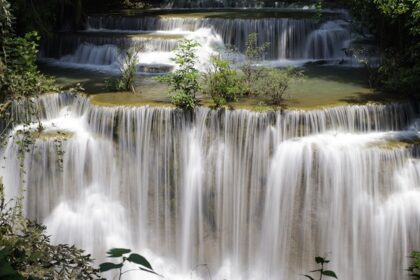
(288, 38)
(70, 43)
(236, 4)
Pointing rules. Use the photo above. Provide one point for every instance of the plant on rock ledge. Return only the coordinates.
(184, 81)
(221, 82)
(128, 68)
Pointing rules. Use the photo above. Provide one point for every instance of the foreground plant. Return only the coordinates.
(26, 251)
(414, 268)
(322, 271)
(275, 83)
(184, 81)
(122, 255)
(128, 69)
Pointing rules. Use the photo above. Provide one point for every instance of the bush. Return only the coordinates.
(253, 52)
(274, 83)
(128, 68)
(21, 76)
(221, 82)
(26, 251)
(414, 268)
(184, 81)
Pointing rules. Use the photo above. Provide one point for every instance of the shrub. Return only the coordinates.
(184, 81)
(274, 83)
(253, 52)
(128, 68)
(221, 82)
(26, 251)
(414, 268)
(21, 76)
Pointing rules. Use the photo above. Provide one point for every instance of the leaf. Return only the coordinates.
(7, 271)
(150, 271)
(108, 266)
(138, 259)
(309, 277)
(117, 252)
(319, 260)
(329, 273)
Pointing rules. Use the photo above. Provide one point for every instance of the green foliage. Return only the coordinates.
(221, 82)
(128, 69)
(22, 77)
(396, 78)
(260, 81)
(253, 53)
(414, 268)
(322, 272)
(318, 6)
(274, 83)
(184, 81)
(122, 254)
(396, 23)
(26, 251)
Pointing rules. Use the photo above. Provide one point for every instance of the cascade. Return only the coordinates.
(234, 4)
(288, 37)
(294, 36)
(252, 195)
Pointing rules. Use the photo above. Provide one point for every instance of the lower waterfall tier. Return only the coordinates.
(252, 195)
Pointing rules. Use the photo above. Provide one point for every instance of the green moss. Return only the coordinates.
(49, 135)
(111, 99)
(396, 144)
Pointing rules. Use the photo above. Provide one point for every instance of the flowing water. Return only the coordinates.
(252, 195)
(295, 37)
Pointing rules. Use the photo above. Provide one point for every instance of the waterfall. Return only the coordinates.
(69, 44)
(252, 195)
(292, 38)
(288, 38)
(232, 4)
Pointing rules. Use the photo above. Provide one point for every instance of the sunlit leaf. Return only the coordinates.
(329, 273)
(138, 259)
(117, 252)
(108, 266)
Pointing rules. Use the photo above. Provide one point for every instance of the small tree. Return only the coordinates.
(184, 81)
(128, 69)
(221, 82)
(253, 52)
(274, 83)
